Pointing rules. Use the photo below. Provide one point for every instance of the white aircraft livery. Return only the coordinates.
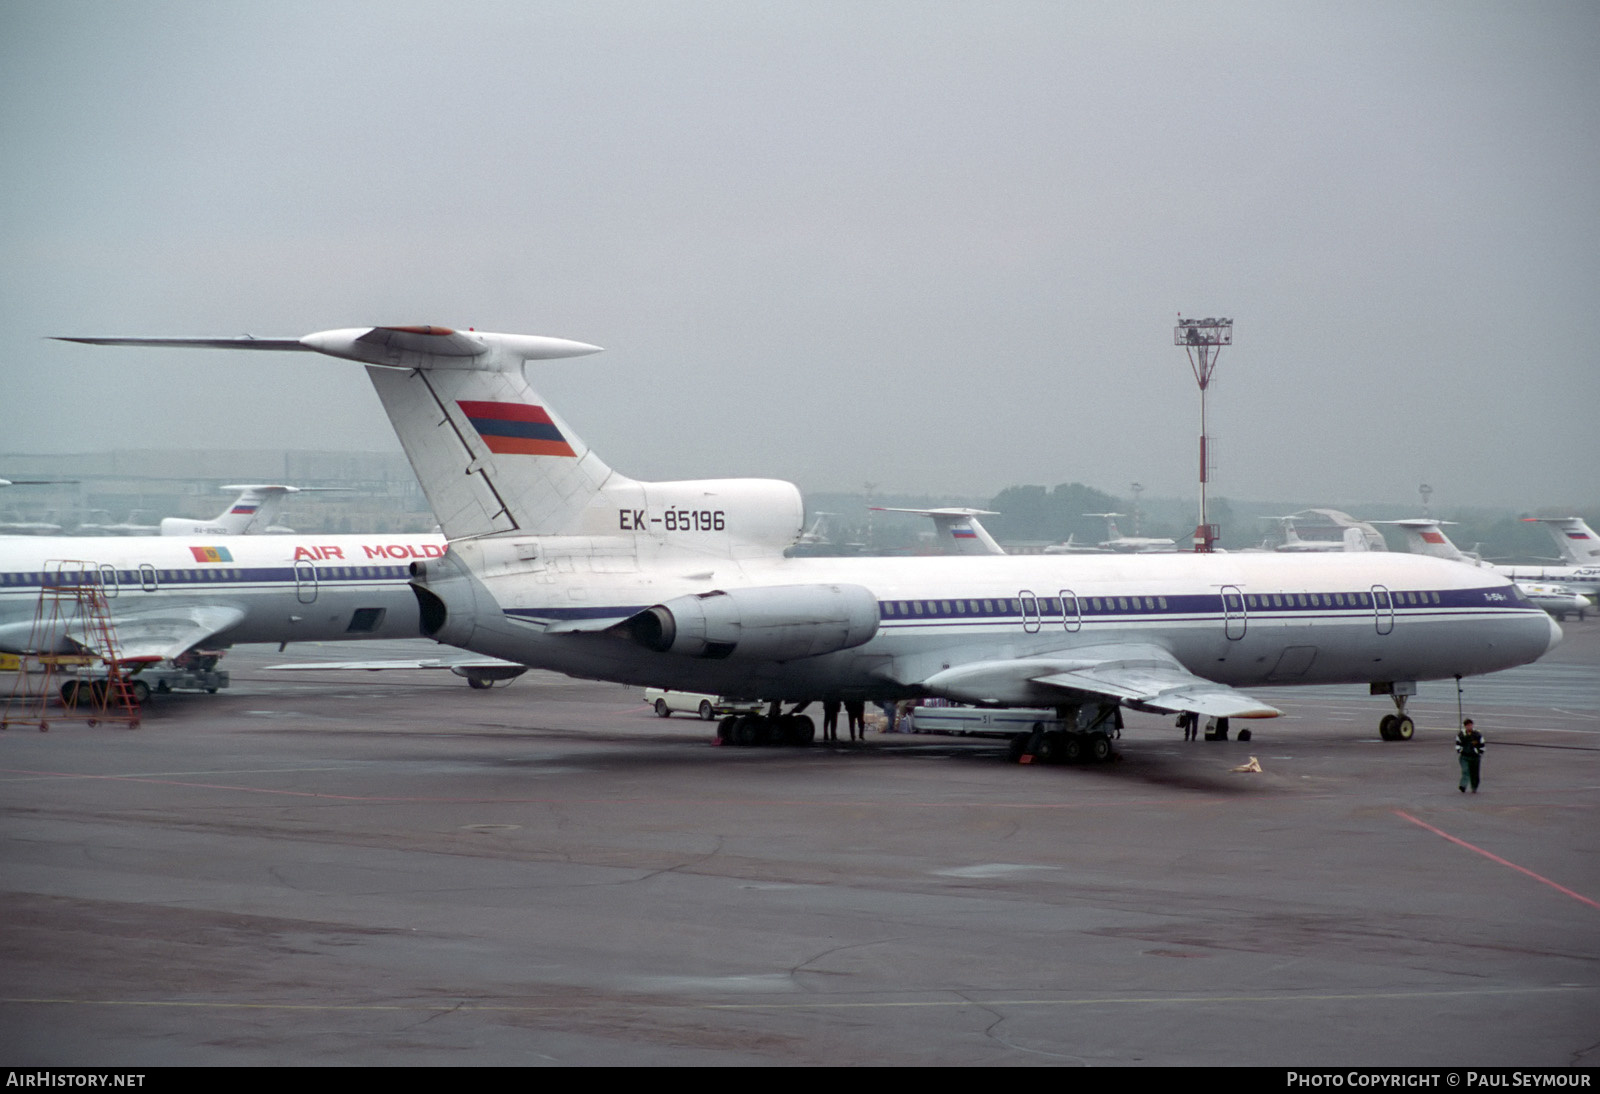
(165, 595)
(558, 562)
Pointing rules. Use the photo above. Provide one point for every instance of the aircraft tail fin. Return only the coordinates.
(1574, 539)
(1425, 536)
(254, 510)
(958, 531)
(493, 458)
(490, 456)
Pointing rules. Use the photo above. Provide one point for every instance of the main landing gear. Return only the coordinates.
(1072, 739)
(1397, 726)
(772, 728)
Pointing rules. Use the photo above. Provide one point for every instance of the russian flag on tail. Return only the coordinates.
(516, 429)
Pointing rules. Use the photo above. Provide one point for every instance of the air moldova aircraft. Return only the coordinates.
(558, 562)
(166, 595)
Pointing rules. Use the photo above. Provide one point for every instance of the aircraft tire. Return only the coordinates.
(71, 693)
(1404, 729)
(799, 731)
(477, 683)
(1099, 748)
(725, 730)
(1049, 748)
(1243, 735)
(141, 692)
(1386, 727)
(1017, 747)
(706, 713)
(662, 710)
(748, 730)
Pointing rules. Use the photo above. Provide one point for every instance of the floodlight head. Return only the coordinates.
(1203, 332)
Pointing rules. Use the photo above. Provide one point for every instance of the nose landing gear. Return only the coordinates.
(1399, 725)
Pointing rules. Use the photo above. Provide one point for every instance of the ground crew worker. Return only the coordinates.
(1469, 746)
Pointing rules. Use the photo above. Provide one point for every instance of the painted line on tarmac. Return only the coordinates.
(567, 1005)
(1492, 857)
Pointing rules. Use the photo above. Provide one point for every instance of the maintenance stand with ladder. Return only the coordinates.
(72, 605)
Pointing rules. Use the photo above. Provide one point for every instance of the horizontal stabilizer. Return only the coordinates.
(242, 342)
(395, 347)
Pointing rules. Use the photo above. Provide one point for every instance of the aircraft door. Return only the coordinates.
(108, 580)
(1382, 609)
(1233, 613)
(147, 577)
(305, 582)
(1030, 611)
(1071, 617)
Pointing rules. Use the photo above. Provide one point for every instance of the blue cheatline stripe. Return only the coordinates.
(1301, 606)
(205, 575)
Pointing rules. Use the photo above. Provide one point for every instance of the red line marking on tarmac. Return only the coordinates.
(806, 802)
(1496, 858)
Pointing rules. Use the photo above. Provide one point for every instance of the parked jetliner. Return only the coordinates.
(1425, 536)
(557, 561)
(166, 595)
(1116, 541)
(1353, 540)
(129, 527)
(253, 512)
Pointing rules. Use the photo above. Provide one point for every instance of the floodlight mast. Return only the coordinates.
(1203, 340)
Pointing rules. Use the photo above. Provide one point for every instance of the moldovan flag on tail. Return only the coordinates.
(516, 429)
(211, 554)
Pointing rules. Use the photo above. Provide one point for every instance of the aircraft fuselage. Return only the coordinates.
(1238, 620)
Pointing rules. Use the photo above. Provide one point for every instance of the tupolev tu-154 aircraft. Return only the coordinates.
(558, 562)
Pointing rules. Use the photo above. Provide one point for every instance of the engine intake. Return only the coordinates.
(774, 623)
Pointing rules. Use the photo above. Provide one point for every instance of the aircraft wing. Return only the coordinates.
(1130, 672)
(159, 634)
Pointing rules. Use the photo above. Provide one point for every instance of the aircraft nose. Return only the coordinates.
(1555, 634)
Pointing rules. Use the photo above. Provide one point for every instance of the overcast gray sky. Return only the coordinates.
(932, 245)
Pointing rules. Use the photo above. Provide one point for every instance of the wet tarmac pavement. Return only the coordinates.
(360, 868)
